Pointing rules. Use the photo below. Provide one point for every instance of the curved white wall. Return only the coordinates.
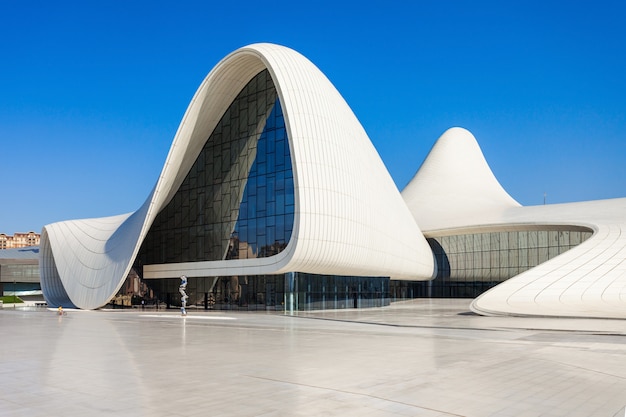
(455, 184)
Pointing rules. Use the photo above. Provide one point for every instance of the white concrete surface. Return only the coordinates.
(419, 358)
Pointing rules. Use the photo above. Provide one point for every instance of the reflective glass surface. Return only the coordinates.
(276, 292)
(470, 264)
(237, 200)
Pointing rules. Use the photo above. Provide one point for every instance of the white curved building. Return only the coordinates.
(273, 196)
(551, 260)
(270, 172)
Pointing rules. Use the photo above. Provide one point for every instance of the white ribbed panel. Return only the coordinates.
(89, 258)
(349, 219)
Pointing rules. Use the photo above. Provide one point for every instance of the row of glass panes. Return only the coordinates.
(270, 155)
(256, 206)
(257, 234)
(499, 255)
(482, 275)
(508, 257)
(511, 240)
(196, 214)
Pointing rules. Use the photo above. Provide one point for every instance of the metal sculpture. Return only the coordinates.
(183, 295)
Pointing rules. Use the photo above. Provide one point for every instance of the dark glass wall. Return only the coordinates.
(336, 292)
(237, 201)
(296, 291)
(254, 292)
(470, 264)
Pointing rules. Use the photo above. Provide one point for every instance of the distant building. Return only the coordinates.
(19, 240)
(19, 271)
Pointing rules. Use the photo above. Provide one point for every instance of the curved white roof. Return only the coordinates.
(344, 194)
(455, 184)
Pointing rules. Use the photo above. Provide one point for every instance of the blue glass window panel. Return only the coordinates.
(199, 220)
(267, 191)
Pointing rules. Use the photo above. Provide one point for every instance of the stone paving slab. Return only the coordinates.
(420, 358)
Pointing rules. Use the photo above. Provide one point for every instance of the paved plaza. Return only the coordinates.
(415, 358)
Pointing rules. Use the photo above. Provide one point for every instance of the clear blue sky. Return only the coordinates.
(91, 95)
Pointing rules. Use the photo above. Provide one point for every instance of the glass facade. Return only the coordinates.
(470, 264)
(262, 292)
(312, 292)
(293, 291)
(19, 271)
(18, 276)
(237, 201)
